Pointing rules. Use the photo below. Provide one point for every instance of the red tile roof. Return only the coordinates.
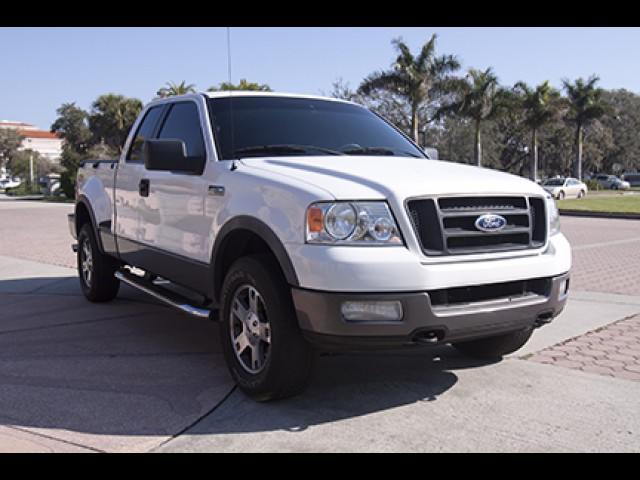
(38, 134)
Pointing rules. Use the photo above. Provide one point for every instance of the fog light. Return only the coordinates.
(563, 289)
(372, 311)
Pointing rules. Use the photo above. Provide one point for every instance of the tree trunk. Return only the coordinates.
(533, 164)
(577, 164)
(477, 150)
(414, 126)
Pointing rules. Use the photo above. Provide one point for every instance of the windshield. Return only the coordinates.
(281, 126)
(555, 182)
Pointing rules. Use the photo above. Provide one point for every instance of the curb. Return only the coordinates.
(618, 215)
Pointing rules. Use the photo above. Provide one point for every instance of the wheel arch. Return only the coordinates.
(84, 214)
(242, 236)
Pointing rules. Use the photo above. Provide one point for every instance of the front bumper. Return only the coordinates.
(427, 318)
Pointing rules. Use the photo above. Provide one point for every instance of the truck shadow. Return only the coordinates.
(109, 376)
(346, 386)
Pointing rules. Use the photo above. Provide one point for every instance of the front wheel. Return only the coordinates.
(263, 346)
(95, 269)
(495, 347)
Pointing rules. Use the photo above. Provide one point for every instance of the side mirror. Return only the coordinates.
(170, 155)
(432, 153)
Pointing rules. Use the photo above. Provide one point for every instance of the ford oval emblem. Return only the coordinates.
(491, 223)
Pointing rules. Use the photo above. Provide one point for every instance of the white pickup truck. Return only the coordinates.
(304, 224)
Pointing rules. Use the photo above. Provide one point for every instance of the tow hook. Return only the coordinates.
(544, 318)
(428, 336)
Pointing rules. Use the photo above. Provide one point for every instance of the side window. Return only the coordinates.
(145, 130)
(183, 123)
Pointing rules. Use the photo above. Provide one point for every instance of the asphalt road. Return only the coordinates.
(135, 376)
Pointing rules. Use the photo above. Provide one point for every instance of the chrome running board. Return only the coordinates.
(165, 295)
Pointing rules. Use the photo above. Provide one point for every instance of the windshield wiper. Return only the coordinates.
(382, 151)
(283, 149)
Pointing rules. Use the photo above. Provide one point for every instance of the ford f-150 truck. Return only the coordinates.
(304, 224)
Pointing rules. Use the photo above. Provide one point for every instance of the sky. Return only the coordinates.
(42, 68)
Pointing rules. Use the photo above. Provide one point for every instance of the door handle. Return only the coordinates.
(143, 187)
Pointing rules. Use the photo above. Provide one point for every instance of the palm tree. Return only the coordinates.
(243, 85)
(112, 117)
(586, 104)
(415, 79)
(172, 89)
(482, 99)
(540, 107)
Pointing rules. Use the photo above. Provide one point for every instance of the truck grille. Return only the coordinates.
(448, 225)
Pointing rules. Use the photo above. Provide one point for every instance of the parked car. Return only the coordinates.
(612, 182)
(9, 183)
(632, 178)
(565, 187)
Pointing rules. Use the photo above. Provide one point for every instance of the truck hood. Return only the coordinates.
(370, 178)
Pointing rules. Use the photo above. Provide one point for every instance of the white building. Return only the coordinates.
(48, 144)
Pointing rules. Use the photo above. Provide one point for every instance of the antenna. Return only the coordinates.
(229, 53)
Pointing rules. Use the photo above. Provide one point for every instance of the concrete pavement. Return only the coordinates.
(123, 376)
(132, 375)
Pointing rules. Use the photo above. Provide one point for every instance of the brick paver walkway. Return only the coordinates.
(606, 254)
(613, 350)
(36, 231)
(606, 259)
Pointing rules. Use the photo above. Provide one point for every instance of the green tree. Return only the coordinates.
(10, 142)
(111, 119)
(172, 89)
(24, 159)
(482, 99)
(586, 104)
(416, 80)
(540, 106)
(243, 85)
(624, 125)
(72, 125)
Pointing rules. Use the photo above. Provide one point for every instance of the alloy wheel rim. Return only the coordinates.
(86, 263)
(250, 329)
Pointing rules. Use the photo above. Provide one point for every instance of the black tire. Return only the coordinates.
(95, 269)
(561, 195)
(495, 347)
(263, 346)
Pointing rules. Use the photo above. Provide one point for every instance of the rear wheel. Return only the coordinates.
(264, 348)
(95, 269)
(495, 347)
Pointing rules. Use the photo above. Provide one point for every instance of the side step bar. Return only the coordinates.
(167, 296)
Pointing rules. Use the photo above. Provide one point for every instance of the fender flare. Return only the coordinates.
(258, 228)
(104, 237)
(83, 201)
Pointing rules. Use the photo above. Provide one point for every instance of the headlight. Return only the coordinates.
(361, 223)
(554, 216)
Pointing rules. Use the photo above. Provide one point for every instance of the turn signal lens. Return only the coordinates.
(314, 220)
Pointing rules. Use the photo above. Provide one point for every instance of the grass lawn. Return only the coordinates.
(604, 204)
